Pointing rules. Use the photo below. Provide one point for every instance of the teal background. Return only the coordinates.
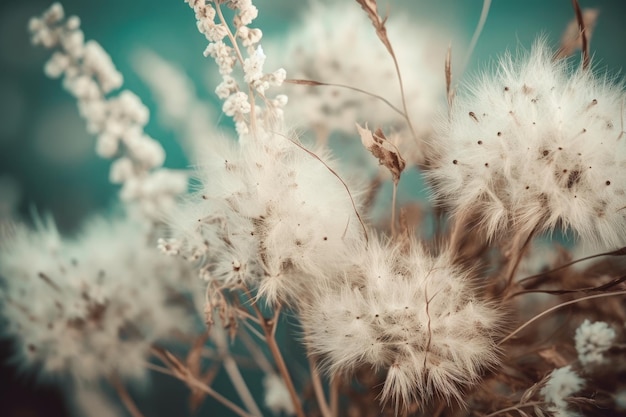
(45, 150)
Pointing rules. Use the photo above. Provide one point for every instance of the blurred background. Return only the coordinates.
(47, 160)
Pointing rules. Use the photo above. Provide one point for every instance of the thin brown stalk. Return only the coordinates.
(232, 369)
(334, 396)
(180, 372)
(267, 326)
(332, 171)
(518, 255)
(319, 389)
(557, 307)
(256, 352)
(618, 252)
(125, 397)
(448, 71)
(348, 87)
(515, 408)
(583, 34)
(393, 208)
(370, 7)
(479, 29)
(602, 287)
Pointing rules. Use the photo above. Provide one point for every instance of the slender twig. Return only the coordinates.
(125, 397)
(479, 29)
(393, 208)
(184, 375)
(256, 352)
(583, 34)
(319, 389)
(276, 354)
(332, 171)
(315, 83)
(334, 396)
(518, 254)
(234, 374)
(618, 252)
(557, 307)
(515, 408)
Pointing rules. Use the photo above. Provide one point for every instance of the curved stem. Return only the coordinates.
(125, 397)
(269, 329)
(557, 307)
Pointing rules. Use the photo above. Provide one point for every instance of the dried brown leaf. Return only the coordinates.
(386, 152)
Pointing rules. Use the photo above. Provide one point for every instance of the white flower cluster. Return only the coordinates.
(89, 75)
(89, 307)
(562, 383)
(592, 340)
(265, 214)
(276, 395)
(335, 43)
(410, 314)
(534, 146)
(238, 103)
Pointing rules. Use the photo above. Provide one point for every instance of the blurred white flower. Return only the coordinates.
(270, 214)
(592, 340)
(88, 307)
(335, 43)
(563, 382)
(276, 395)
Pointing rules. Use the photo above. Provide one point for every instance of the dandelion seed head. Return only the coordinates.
(87, 307)
(536, 144)
(410, 314)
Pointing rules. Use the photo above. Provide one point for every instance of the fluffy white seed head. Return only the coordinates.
(336, 43)
(410, 314)
(87, 307)
(537, 144)
(270, 214)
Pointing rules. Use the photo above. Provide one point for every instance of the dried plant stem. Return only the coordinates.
(332, 171)
(448, 72)
(479, 29)
(518, 250)
(319, 389)
(583, 34)
(358, 90)
(557, 307)
(618, 252)
(372, 192)
(256, 352)
(240, 385)
(269, 329)
(334, 396)
(230, 365)
(515, 408)
(183, 374)
(403, 96)
(456, 234)
(125, 397)
(394, 196)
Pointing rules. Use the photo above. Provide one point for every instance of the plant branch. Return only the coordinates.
(557, 307)
(125, 397)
